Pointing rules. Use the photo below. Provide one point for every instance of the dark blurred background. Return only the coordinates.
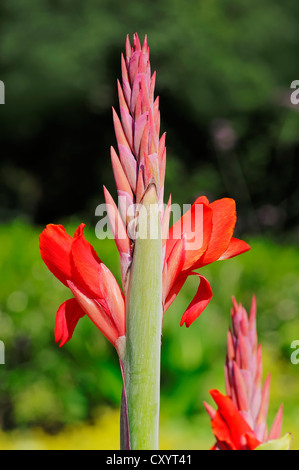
(224, 75)
(224, 71)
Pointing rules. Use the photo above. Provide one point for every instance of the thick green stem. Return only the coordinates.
(144, 323)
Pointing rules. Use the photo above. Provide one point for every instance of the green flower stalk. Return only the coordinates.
(144, 324)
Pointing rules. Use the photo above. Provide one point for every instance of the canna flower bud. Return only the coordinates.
(141, 157)
(241, 420)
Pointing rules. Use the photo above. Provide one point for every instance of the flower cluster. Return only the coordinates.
(140, 164)
(240, 423)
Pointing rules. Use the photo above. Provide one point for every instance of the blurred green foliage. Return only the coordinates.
(43, 385)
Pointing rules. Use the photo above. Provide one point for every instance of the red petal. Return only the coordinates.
(55, 246)
(276, 426)
(224, 220)
(96, 312)
(173, 267)
(175, 289)
(196, 226)
(229, 426)
(85, 267)
(251, 441)
(202, 298)
(67, 318)
(114, 298)
(235, 248)
(95, 281)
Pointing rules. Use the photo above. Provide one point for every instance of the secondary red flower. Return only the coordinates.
(229, 427)
(240, 423)
(96, 292)
(203, 235)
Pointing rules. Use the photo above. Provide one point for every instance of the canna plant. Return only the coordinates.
(155, 260)
(240, 423)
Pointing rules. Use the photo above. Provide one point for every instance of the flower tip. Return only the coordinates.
(215, 394)
(106, 192)
(136, 42)
(145, 45)
(210, 410)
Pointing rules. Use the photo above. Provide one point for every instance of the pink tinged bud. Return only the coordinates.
(152, 87)
(259, 369)
(121, 97)
(140, 186)
(151, 170)
(210, 410)
(145, 46)
(136, 91)
(120, 177)
(230, 346)
(245, 351)
(136, 42)
(119, 132)
(243, 322)
(143, 148)
(139, 133)
(125, 195)
(117, 226)
(129, 165)
(275, 432)
(161, 146)
(227, 378)
(255, 402)
(263, 411)
(127, 124)
(153, 141)
(252, 314)
(124, 73)
(156, 118)
(128, 47)
(243, 374)
(138, 108)
(146, 103)
(240, 389)
(133, 67)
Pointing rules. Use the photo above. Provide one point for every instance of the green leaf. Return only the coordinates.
(284, 443)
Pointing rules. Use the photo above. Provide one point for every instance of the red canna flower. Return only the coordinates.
(139, 164)
(96, 292)
(184, 255)
(141, 161)
(229, 427)
(240, 421)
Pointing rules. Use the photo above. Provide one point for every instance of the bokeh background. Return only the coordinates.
(224, 71)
